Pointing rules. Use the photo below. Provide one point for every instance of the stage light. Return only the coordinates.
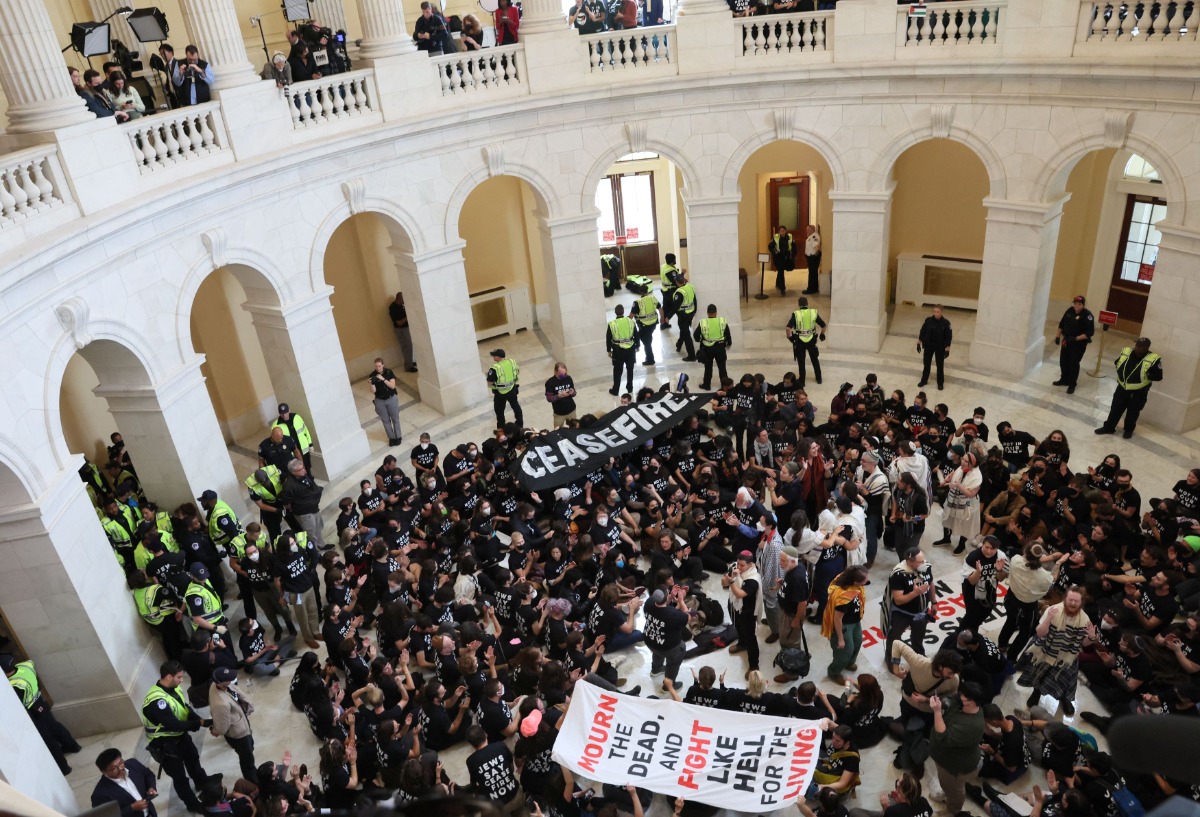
(149, 25)
(90, 39)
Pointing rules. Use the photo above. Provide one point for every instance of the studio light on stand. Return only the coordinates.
(92, 39)
(149, 25)
(296, 10)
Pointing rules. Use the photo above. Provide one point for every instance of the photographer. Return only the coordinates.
(194, 78)
(279, 70)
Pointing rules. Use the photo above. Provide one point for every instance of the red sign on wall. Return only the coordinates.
(1109, 318)
(622, 240)
(608, 236)
(631, 233)
(1146, 273)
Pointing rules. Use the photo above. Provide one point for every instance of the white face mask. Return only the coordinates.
(295, 548)
(601, 520)
(486, 511)
(978, 420)
(424, 446)
(472, 452)
(761, 526)
(1104, 625)
(254, 557)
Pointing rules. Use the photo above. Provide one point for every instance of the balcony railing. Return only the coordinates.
(30, 183)
(946, 25)
(486, 70)
(330, 99)
(629, 48)
(1175, 21)
(803, 33)
(167, 139)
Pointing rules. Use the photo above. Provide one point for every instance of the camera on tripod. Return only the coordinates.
(128, 59)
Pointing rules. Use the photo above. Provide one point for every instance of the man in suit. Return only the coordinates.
(127, 783)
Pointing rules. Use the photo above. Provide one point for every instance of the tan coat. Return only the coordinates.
(228, 718)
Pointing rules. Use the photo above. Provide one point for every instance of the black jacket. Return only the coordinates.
(936, 333)
(109, 791)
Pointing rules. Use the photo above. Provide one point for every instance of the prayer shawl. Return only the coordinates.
(837, 597)
(1065, 639)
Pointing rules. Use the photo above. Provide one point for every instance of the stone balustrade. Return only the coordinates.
(779, 35)
(1170, 22)
(949, 25)
(168, 139)
(334, 98)
(641, 48)
(488, 70)
(30, 184)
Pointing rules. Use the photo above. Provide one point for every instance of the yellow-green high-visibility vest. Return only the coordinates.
(623, 330)
(712, 331)
(24, 680)
(212, 605)
(1143, 370)
(507, 371)
(647, 310)
(805, 321)
(219, 511)
(146, 599)
(174, 701)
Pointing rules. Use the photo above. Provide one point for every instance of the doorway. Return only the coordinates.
(628, 224)
(788, 200)
(1133, 270)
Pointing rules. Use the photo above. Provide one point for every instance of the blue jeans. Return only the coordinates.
(622, 640)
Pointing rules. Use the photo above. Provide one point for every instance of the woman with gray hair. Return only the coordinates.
(278, 69)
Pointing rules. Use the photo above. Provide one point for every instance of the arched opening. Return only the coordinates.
(1108, 242)
(106, 390)
(642, 221)
(246, 371)
(783, 184)
(508, 256)
(937, 232)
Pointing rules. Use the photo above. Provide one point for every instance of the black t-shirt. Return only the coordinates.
(1188, 497)
(555, 386)
(492, 774)
(425, 455)
(1016, 446)
(1164, 607)
(494, 717)
(987, 568)
(852, 610)
(750, 586)
(700, 696)
(795, 589)
(294, 572)
(921, 808)
(665, 626)
(905, 581)
(377, 379)
(1012, 750)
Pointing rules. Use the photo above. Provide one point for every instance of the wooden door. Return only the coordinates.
(1137, 254)
(788, 202)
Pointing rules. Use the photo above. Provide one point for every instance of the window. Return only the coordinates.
(626, 205)
(1138, 169)
(1140, 240)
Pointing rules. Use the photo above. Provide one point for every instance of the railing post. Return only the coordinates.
(707, 39)
(864, 31)
(555, 56)
(1036, 30)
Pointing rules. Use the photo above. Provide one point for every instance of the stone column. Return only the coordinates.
(1172, 323)
(308, 371)
(1018, 264)
(214, 24)
(706, 39)
(173, 428)
(120, 29)
(576, 294)
(434, 283)
(33, 74)
(64, 595)
(858, 298)
(331, 14)
(712, 234)
(384, 31)
(541, 16)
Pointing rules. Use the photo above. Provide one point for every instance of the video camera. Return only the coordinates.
(128, 59)
(314, 34)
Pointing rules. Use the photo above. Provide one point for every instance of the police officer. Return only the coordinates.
(399, 317)
(1137, 368)
(647, 312)
(58, 739)
(934, 343)
(265, 485)
(715, 340)
(801, 330)
(223, 525)
(672, 278)
(610, 268)
(684, 300)
(167, 718)
(504, 379)
(120, 524)
(783, 257)
(293, 426)
(1075, 330)
(621, 343)
(202, 603)
(157, 608)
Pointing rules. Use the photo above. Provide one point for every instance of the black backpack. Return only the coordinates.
(795, 660)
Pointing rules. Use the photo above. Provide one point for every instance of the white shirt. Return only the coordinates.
(127, 784)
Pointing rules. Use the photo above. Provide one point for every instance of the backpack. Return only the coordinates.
(795, 660)
(914, 746)
(1127, 802)
(714, 613)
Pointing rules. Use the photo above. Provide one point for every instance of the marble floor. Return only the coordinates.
(1156, 459)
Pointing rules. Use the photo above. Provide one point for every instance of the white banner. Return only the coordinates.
(749, 763)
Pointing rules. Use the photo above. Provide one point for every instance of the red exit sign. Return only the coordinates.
(1109, 318)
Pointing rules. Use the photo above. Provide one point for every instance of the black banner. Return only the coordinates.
(568, 454)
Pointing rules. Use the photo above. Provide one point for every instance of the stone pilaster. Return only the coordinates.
(33, 74)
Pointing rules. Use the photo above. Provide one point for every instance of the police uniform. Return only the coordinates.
(504, 379)
(223, 525)
(715, 340)
(1071, 326)
(669, 275)
(120, 529)
(783, 258)
(1135, 373)
(268, 492)
(645, 312)
(804, 324)
(57, 738)
(685, 307)
(155, 606)
(295, 428)
(167, 718)
(621, 342)
(610, 269)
